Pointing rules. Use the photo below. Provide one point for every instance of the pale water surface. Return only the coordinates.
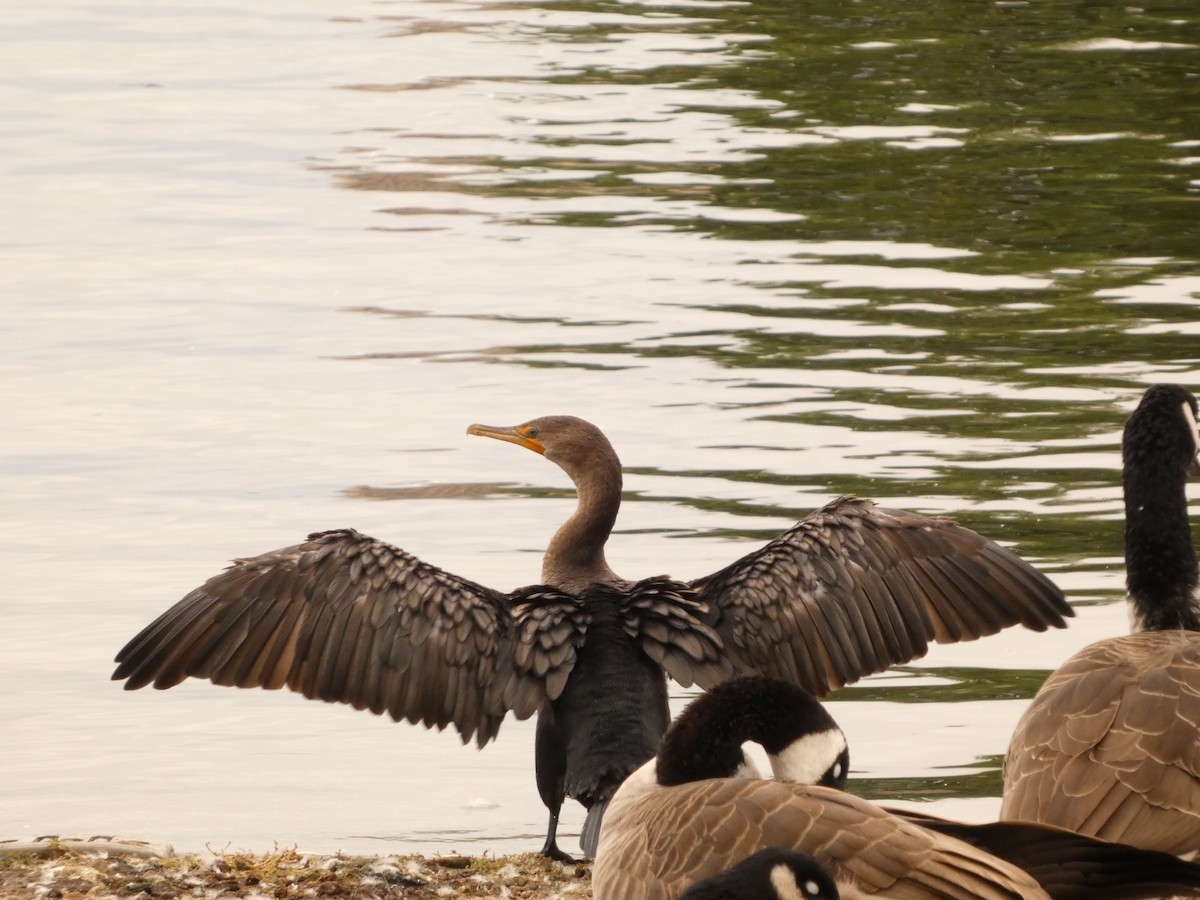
(262, 264)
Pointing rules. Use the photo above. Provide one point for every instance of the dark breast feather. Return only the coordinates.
(348, 619)
(855, 588)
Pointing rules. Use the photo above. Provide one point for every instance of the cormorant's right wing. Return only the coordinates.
(855, 588)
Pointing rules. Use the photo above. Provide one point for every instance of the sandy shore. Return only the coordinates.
(68, 871)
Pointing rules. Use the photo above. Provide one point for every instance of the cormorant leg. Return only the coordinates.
(550, 848)
(550, 767)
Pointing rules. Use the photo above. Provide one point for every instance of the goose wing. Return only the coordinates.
(345, 618)
(676, 836)
(855, 588)
(1072, 866)
(1111, 744)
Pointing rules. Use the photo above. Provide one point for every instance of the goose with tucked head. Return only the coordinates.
(685, 816)
(689, 815)
(346, 618)
(1110, 746)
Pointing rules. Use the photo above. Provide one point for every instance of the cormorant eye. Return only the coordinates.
(532, 432)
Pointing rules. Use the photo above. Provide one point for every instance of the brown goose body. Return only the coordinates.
(655, 845)
(342, 617)
(1110, 746)
(686, 816)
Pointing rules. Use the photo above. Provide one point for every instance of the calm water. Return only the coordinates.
(263, 265)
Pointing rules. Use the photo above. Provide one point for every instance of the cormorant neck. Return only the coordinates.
(575, 558)
(706, 740)
(1160, 561)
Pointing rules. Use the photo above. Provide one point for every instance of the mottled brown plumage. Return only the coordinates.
(1111, 744)
(345, 618)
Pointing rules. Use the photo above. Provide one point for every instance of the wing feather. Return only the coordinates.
(667, 619)
(855, 588)
(345, 618)
(551, 627)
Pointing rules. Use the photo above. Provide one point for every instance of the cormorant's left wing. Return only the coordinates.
(855, 588)
(345, 618)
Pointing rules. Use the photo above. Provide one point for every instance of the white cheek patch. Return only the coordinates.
(805, 761)
(1191, 420)
(784, 883)
(836, 772)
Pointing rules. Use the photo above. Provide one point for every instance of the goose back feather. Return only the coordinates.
(655, 846)
(1111, 744)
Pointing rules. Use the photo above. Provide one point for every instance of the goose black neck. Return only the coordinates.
(1160, 560)
(706, 740)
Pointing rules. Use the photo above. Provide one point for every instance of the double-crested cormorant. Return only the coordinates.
(342, 617)
(1110, 746)
(694, 811)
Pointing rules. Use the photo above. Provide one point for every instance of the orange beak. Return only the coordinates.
(516, 435)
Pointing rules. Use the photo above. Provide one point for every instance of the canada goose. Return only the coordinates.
(1110, 746)
(684, 817)
(342, 617)
(770, 874)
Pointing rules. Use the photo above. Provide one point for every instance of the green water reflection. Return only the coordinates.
(1047, 140)
(987, 782)
(1020, 85)
(951, 684)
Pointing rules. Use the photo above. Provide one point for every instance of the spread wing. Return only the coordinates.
(855, 588)
(667, 620)
(348, 619)
(1111, 744)
(672, 837)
